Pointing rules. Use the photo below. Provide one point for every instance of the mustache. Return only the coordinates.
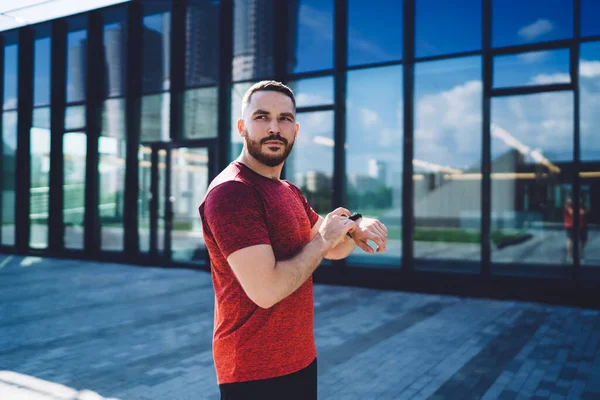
(274, 138)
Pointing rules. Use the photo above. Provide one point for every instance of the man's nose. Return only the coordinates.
(274, 126)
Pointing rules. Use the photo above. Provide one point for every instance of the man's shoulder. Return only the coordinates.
(230, 184)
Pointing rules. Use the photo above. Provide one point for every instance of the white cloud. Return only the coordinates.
(546, 79)
(589, 69)
(310, 99)
(533, 57)
(536, 29)
(368, 117)
(318, 21)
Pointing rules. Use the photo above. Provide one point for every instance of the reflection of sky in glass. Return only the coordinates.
(533, 68)
(517, 22)
(448, 113)
(10, 75)
(314, 35)
(443, 27)
(374, 31)
(76, 62)
(313, 91)
(41, 83)
(590, 10)
(589, 83)
(9, 132)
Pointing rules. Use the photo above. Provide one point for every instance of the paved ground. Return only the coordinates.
(144, 333)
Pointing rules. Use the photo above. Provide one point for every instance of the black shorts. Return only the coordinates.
(583, 234)
(301, 385)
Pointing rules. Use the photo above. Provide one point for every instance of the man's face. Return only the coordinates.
(269, 127)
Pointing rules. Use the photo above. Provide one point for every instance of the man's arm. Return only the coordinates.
(267, 281)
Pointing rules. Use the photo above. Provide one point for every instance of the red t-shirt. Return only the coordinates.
(243, 208)
(568, 217)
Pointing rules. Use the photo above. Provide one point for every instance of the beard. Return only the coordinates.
(267, 156)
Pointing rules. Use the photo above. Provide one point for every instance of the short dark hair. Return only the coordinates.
(265, 86)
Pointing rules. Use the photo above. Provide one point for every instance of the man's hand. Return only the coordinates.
(335, 226)
(370, 229)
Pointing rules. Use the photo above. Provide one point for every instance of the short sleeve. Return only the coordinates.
(235, 215)
(310, 213)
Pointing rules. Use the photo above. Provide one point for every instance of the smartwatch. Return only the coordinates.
(353, 217)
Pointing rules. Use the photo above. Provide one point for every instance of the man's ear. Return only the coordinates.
(297, 130)
(241, 127)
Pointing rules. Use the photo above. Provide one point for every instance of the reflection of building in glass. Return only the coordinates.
(202, 50)
(115, 53)
(156, 52)
(77, 68)
(316, 181)
(378, 170)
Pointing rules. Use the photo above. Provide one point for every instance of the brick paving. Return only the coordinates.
(131, 332)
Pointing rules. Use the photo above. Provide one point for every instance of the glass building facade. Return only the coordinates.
(464, 126)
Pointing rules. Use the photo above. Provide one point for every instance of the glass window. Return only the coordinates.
(534, 68)
(74, 118)
(112, 149)
(74, 156)
(253, 34)
(310, 164)
(313, 91)
(200, 113)
(374, 31)
(11, 75)
(76, 65)
(9, 164)
(202, 43)
(447, 144)
(517, 22)
(41, 76)
(189, 182)
(532, 154)
(589, 89)
(374, 137)
(590, 9)
(155, 118)
(237, 94)
(39, 193)
(444, 27)
(115, 54)
(310, 35)
(144, 196)
(156, 36)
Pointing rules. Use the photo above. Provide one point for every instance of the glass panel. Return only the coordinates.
(156, 47)
(144, 196)
(9, 153)
(200, 113)
(39, 193)
(11, 76)
(535, 21)
(589, 86)
(374, 31)
(76, 65)
(435, 20)
(590, 9)
(41, 77)
(534, 68)
(155, 118)
(189, 181)
(74, 156)
(253, 23)
(310, 165)
(310, 35)
(74, 118)
(447, 143)
(202, 43)
(313, 92)
(112, 149)
(113, 118)
(162, 184)
(374, 126)
(532, 154)
(237, 94)
(115, 53)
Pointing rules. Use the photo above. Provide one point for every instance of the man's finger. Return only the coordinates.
(378, 239)
(365, 247)
(340, 211)
(382, 226)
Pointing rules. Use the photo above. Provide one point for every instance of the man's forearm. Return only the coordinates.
(342, 250)
(290, 274)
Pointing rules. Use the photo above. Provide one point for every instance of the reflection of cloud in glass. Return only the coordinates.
(318, 21)
(533, 57)
(536, 29)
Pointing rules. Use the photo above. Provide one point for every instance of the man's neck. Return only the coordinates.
(260, 168)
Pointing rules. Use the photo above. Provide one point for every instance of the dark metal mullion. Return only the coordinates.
(375, 65)
(132, 124)
(94, 84)
(307, 109)
(225, 85)
(576, 142)
(408, 104)
(486, 162)
(1, 128)
(525, 48)
(23, 156)
(590, 38)
(168, 211)
(57, 126)
(155, 193)
(534, 89)
(440, 57)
